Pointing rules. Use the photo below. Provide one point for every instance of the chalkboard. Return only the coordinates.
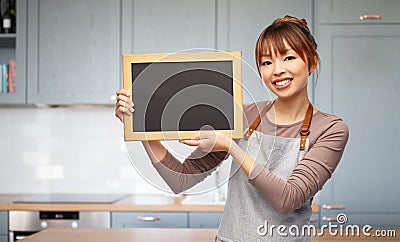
(178, 95)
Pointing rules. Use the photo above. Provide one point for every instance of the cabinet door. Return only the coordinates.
(204, 220)
(352, 11)
(148, 220)
(3, 223)
(13, 47)
(158, 26)
(360, 82)
(73, 51)
(239, 25)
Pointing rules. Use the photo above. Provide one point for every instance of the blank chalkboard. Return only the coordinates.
(177, 95)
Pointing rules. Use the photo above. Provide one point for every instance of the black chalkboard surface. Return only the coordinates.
(177, 95)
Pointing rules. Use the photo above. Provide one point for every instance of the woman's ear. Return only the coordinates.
(312, 64)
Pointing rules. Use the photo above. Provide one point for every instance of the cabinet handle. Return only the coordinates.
(327, 219)
(370, 16)
(333, 207)
(313, 220)
(148, 218)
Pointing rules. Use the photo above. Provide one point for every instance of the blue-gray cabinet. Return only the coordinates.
(3, 226)
(360, 82)
(157, 26)
(73, 51)
(149, 219)
(204, 219)
(165, 219)
(13, 47)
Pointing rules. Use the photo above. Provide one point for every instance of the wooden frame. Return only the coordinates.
(153, 63)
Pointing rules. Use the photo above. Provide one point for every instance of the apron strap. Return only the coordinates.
(305, 128)
(256, 122)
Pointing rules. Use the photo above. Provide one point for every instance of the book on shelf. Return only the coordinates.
(7, 77)
(12, 73)
(1, 76)
(4, 88)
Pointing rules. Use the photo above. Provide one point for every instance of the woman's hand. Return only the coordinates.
(210, 141)
(123, 104)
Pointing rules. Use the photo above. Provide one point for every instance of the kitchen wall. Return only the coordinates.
(77, 149)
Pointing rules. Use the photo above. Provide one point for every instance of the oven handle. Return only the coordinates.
(148, 218)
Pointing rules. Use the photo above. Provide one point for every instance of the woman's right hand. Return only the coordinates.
(123, 104)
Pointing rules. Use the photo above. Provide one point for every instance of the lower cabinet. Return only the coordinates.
(3, 226)
(165, 219)
(204, 220)
(149, 220)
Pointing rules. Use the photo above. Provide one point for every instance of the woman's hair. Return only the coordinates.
(295, 33)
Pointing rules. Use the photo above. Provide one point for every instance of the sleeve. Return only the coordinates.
(310, 174)
(182, 176)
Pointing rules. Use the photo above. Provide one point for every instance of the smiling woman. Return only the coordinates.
(277, 169)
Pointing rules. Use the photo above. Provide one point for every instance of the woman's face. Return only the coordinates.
(285, 75)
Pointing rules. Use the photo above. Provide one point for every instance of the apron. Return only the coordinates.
(248, 216)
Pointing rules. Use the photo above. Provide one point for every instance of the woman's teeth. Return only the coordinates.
(282, 83)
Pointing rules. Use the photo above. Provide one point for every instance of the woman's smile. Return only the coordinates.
(282, 83)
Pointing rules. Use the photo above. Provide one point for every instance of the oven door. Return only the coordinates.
(25, 223)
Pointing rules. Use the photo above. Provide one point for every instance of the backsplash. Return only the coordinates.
(77, 149)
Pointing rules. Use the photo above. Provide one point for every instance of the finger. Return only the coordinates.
(123, 92)
(122, 110)
(126, 106)
(195, 137)
(125, 99)
(191, 142)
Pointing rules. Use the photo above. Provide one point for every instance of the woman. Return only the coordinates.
(289, 151)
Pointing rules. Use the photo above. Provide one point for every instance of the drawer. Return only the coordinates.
(375, 220)
(204, 220)
(149, 220)
(349, 11)
(3, 222)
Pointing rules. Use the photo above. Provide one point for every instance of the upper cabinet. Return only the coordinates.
(359, 11)
(157, 26)
(73, 51)
(13, 47)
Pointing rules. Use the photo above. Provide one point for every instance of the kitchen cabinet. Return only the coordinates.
(3, 226)
(238, 27)
(204, 220)
(359, 82)
(13, 47)
(157, 26)
(149, 220)
(73, 51)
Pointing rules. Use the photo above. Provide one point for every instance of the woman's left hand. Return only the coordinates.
(210, 141)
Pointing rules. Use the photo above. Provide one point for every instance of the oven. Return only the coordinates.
(25, 223)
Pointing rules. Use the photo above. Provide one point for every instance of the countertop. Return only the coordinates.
(165, 235)
(132, 203)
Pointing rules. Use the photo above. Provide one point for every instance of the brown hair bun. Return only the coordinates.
(289, 19)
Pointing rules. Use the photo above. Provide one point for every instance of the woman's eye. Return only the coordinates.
(266, 63)
(290, 57)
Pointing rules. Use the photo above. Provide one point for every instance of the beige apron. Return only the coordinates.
(248, 216)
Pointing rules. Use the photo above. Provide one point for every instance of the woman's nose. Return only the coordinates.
(279, 68)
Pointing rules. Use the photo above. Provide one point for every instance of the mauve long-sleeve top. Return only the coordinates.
(327, 140)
